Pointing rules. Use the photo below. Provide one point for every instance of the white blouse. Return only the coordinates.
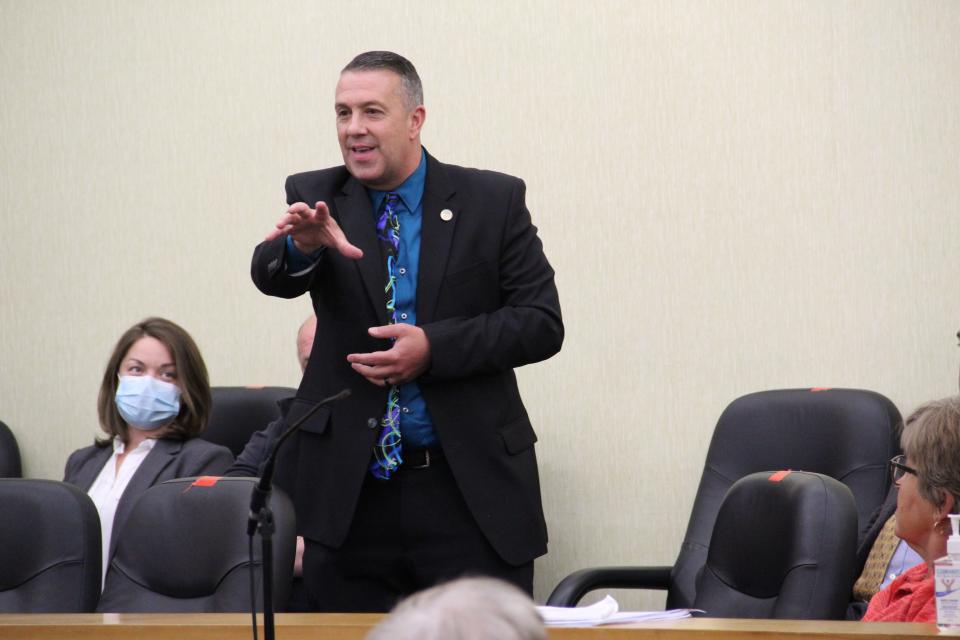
(109, 486)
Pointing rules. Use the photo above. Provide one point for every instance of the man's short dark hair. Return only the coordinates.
(389, 61)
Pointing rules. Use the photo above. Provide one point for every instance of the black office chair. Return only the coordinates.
(184, 548)
(9, 454)
(847, 434)
(238, 412)
(49, 548)
(783, 547)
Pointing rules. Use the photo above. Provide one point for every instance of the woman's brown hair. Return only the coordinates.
(192, 379)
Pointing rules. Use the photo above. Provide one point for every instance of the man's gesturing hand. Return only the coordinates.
(312, 229)
(406, 360)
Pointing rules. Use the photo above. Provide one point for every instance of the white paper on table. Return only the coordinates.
(607, 611)
(648, 616)
(580, 615)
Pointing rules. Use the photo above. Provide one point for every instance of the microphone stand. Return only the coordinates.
(261, 517)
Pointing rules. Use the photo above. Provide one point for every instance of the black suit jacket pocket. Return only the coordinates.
(316, 423)
(470, 290)
(468, 273)
(518, 435)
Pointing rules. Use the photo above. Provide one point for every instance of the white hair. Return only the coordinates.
(465, 609)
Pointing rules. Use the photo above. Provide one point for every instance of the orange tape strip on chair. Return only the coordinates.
(779, 475)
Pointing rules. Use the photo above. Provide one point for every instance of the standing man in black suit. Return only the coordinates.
(430, 286)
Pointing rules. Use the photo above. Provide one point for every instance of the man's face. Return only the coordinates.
(379, 133)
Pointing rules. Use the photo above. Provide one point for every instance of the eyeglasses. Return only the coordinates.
(898, 469)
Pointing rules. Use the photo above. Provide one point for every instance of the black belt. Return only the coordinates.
(421, 458)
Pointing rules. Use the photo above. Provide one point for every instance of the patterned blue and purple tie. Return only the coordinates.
(386, 451)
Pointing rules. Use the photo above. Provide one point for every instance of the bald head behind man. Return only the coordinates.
(305, 340)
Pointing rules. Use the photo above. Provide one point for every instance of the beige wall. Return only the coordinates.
(735, 195)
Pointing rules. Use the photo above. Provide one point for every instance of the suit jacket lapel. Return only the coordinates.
(436, 236)
(355, 216)
(89, 471)
(163, 453)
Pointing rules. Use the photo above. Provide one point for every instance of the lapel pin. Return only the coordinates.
(446, 215)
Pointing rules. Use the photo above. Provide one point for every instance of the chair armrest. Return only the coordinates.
(579, 583)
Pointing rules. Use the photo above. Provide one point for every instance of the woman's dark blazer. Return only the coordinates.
(167, 460)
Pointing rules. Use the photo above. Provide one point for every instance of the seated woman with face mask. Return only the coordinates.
(154, 401)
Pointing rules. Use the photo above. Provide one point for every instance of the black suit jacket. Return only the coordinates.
(167, 460)
(487, 302)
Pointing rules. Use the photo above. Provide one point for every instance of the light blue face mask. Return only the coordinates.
(147, 403)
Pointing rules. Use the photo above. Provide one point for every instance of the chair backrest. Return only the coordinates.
(238, 412)
(783, 547)
(9, 454)
(847, 434)
(49, 548)
(184, 548)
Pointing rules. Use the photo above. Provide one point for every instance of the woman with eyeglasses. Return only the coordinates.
(154, 400)
(927, 477)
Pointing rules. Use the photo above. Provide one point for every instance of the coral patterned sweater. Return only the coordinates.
(909, 598)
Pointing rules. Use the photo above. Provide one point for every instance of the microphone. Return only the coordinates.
(262, 490)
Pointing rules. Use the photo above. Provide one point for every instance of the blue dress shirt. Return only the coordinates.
(416, 428)
(903, 558)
